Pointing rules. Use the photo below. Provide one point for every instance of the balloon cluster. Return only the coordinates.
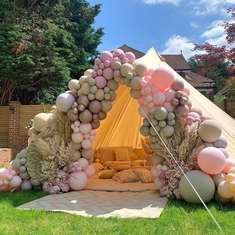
(9, 180)
(90, 98)
(79, 173)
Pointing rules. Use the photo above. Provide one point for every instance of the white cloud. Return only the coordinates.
(154, 2)
(207, 7)
(194, 25)
(215, 34)
(176, 43)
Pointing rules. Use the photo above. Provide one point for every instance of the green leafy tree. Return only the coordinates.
(43, 44)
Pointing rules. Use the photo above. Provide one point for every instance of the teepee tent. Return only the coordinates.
(121, 127)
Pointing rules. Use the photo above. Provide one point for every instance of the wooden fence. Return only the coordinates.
(13, 122)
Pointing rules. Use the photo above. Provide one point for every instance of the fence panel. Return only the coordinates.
(4, 126)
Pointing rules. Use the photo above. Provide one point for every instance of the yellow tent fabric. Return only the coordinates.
(121, 126)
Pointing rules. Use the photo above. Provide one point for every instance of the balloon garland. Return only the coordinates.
(60, 142)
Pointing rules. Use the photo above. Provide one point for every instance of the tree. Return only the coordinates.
(217, 62)
(43, 44)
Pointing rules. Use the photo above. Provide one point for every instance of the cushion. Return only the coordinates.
(120, 165)
(106, 174)
(122, 154)
(126, 176)
(143, 174)
(106, 154)
(133, 156)
(140, 153)
(138, 163)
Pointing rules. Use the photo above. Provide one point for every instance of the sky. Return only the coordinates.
(167, 25)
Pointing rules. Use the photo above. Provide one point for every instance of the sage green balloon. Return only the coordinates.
(116, 65)
(127, 82)
(93, 89)
(152, 131)
(171, 122)
(112, 95)
(167, 131)
(85, 89)
(85, 116)
(146, 122)
(83, 99)
(203, 184)
(112, 84)
(144, 130)
(135, 94)
(170, 116)
(91, 81)
(106, 89)
(106, 106)
(136, 83)
(162, 123)
(210, 131)
(126, 68)
(91, 96)
(100, 94)
(160, 113)
(153, 139)
(107, 96)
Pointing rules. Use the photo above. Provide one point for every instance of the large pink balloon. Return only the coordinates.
(211, 160)
(162, 78)
(77, 181)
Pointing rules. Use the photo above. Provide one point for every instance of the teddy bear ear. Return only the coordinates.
(72, 126)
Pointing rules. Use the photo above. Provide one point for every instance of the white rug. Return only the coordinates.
(146, 204)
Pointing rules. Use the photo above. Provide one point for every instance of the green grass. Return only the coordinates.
(178, 218)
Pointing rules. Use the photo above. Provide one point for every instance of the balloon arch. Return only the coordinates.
(185, 145)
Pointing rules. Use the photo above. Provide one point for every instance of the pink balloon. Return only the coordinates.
(211, 160)
(101, 66)
(97, 61)
(83, 163)
(168, 106)
(100, 82)
(162, 78)
(106, 55)
(169, 94)
(118, 52)
(194, 115)
(159, 98)
(107, 63)
(86, 144)
(85, 128)
(99, 72)
(90, 171)
(148, 98)
(78, 181)
(108, 73)
(228, 165)
(130, 56)
(186, 91)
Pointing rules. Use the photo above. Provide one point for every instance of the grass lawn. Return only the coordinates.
(177, 218)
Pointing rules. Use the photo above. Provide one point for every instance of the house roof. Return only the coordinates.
(197, 80)
(177, 62)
